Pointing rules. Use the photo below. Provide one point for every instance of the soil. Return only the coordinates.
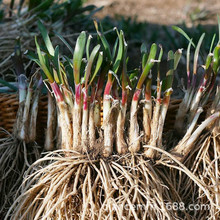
(166, 12)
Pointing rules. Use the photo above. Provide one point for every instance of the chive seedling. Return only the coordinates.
(85, 117)
(121, 144)
(134, 138)
(77, 61)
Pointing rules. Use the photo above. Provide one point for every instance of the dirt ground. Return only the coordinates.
(165, 12)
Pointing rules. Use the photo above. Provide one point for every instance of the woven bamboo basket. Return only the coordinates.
(8, 111)
(9, 107)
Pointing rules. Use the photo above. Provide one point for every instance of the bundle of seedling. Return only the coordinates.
(18, 150)
(198, 149)
(113, 160)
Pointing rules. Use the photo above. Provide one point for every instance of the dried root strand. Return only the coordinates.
(74, 187)
(15, 158)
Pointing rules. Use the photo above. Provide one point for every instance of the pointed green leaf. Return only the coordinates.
(124, 71)
(32, 56)
(65, 42)
(42, 62)
(46, 38)
(148, 66)
(104, 41)
(188, 57)
(78, 54)
(90, 63)
(158, 66)
(97, 68)
(9, 85)
(115, 49)
(216, 59)
(144, 55)
(120, 53)
(208, 60)
(177, 57)
(196, 55)
(56, 61)
(181, 31)
(87, 46)
(212, 43)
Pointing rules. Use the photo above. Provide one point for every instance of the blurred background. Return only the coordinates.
(166, 12)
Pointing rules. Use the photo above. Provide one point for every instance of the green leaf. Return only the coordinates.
(64, 41)
(98, 66)
(124, 71)
(170, 74)
(90, 63)
(144, 55)
(33, 57)
(177, 57)
(212, 43)
(87, 46)
(188, 57)
(196, 55)
(9, 85)
(120, 53)
(216, 59)
(104, 41)
(148, 66)
(158, 65)
(42, 62)
(115, 49)
(181, 31)
(208, 60)
(77, 56)
(46, 38)
(56, 61)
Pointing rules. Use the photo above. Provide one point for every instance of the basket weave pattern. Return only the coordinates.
(8, 111)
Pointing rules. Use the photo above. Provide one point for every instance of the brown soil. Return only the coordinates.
(165, 12)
